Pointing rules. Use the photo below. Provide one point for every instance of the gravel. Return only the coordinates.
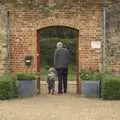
(59, 107)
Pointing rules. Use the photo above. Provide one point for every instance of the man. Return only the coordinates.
(61, 62)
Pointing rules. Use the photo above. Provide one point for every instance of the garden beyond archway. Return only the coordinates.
(46, 43)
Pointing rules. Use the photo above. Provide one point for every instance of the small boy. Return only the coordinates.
(51, 80)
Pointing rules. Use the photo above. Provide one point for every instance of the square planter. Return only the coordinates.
(27, 88)
(90, 88)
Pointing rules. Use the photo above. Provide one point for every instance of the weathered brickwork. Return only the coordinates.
(113, 38)
(25, 18)
(24, 24)
(3, 39)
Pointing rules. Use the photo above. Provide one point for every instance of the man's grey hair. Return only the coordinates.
(59, 45)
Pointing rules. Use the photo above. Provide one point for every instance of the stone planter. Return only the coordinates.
(90, 88)
(27, 88)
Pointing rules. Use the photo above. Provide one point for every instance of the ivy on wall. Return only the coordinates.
(113, 50)
(113, 33)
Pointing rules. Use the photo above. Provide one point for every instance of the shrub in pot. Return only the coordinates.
(27, 84)
(90, 84)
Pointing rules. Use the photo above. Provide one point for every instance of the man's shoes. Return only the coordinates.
(60, 92)
(65, 91)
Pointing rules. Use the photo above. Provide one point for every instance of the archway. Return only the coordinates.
(73, 48)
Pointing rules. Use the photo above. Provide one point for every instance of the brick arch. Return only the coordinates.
(52, 21)
(57, 22)
(62, 23)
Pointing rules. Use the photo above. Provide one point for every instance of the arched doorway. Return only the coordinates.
(47, 37)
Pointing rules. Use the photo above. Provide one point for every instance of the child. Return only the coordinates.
(51, 80)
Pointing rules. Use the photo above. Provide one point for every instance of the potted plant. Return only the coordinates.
(27, 84)
(90, 85)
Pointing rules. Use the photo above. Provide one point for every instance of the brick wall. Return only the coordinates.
(28, 17)
(24, 24)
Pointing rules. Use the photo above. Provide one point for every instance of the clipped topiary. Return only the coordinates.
(8, 87)
(110, 87)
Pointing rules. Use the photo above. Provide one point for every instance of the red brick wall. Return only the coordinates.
(25, 23)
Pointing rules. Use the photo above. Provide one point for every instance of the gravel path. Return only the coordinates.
(59, 107)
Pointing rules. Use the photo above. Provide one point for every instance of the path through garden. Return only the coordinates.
(59, 107)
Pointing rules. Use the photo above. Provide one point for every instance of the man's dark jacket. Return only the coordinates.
(61, 58)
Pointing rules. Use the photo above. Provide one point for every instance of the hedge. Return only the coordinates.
(26, 76)
(8, 87)
(110, 87)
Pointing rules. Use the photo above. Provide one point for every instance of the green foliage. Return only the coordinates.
(86, 74)
(71, 72)
(48, 47)
(26, 76)
(48, 40)
(43, 73)
(97, 76)
(58, 31)
(8, 87)
(110, 87)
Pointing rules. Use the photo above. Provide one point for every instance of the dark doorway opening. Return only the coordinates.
(47, 40)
